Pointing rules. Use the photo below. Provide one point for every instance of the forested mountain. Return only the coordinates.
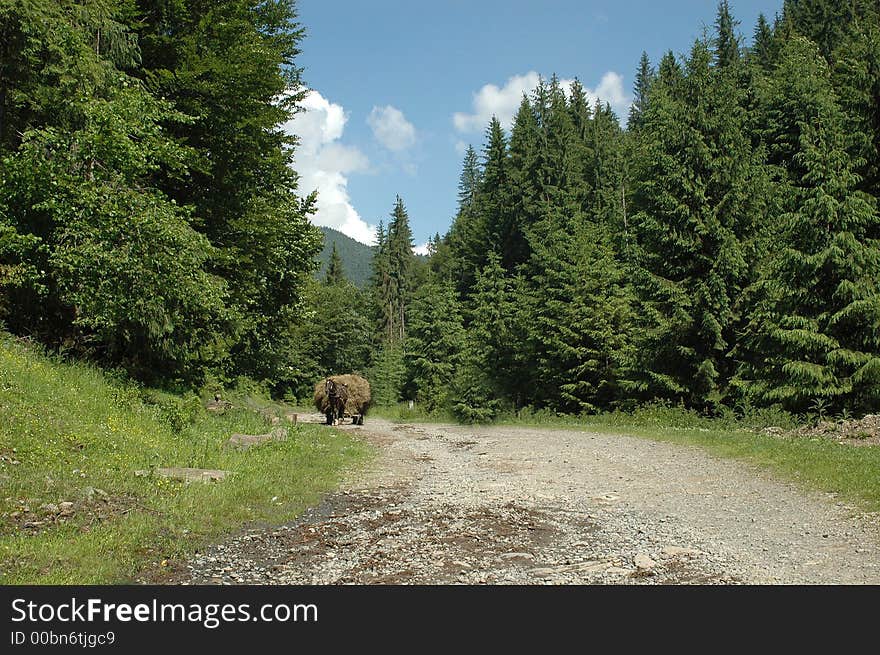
(356, 257)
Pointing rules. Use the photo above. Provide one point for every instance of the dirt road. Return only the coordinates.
(447, 504)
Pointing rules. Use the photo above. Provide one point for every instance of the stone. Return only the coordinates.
(50, 508)
(245, 441)
(643, 562)
(187, 474)
(517, 556)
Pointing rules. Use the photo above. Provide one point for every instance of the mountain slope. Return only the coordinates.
(356, 257)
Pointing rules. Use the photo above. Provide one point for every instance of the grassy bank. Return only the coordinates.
(852, 471)
(72, 509)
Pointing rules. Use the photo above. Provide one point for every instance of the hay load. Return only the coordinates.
(343, 395)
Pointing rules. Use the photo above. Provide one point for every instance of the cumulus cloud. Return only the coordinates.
(391, 128)
(324, 163)
(494, 101)
(503, 102)
(422, 249)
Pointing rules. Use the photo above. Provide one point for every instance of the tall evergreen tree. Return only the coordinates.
(726, 41)
(524, 182)
(433, 345)
(762, 50)
(401, 264)
(232, 66)
(644, 76)
(579, 318)
(335, 273)
(467, 234)
(698, 193)
(486, 377)
(494, 203)
(857, 81)
(814, 332)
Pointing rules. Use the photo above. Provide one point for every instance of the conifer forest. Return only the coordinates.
(717, 249)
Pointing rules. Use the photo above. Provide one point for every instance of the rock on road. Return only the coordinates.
(444, 504)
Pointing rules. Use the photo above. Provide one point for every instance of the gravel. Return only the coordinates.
(446, 504)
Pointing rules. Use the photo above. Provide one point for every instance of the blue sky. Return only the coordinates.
(400, 87)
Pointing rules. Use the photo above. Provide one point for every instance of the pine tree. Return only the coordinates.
(579, 314)
(726, 42)
(335, 273)
(814, 331)
(698, 193)
(486, 376)
(857, 81)
(493, 207)
(469, 181)
(401, 263)
(644, 76)
(467, 233)
(763, 50)
(387, 374)
(524, 181)
(382, 285)
(232, 66)
(433, 345)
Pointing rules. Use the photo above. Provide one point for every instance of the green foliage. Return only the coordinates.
(433, 345)
(334, 275)
(394, 274)
(700, 190)
(387, 374)
(486, 373)
(148, 210)
(817, 316)
(333, 337)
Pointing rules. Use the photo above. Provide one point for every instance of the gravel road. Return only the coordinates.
(445, 504)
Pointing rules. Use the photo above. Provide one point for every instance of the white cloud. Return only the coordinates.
(323, 163)
(391, 128)
(461, 147)
(503, 102)
(494, 101)
(422, 249)
(611, 90)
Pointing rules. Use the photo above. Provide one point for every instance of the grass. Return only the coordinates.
(70, 434)
(852, 472)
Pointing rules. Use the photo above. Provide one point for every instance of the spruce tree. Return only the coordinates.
(644, 76)
(698, 192)
(467, 233)
(401, 265)
(726, 41)
(486, 376)
(579, 317)
(524, 181)
(856, 78)
(497, 230)
(433, 345)
(762, 50)
(335, 273)
(814, 335)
